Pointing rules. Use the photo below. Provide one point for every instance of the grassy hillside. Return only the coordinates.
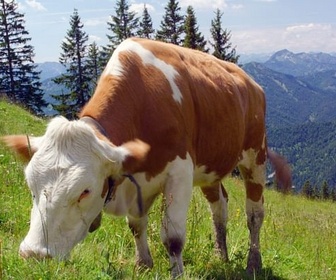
(298, 237)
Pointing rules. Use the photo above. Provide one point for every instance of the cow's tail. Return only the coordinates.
(283, 172)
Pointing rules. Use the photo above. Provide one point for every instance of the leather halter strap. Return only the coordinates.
(92, 122)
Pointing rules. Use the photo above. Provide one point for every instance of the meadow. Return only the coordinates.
(297, 239)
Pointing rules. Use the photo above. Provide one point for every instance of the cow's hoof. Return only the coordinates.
(144, 263)
(254, 262)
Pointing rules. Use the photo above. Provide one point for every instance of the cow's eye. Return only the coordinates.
(84, 194)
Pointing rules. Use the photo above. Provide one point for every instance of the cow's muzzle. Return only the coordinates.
(39, 255)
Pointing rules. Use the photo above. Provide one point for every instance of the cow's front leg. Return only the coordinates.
(138, 227)
(176, 198)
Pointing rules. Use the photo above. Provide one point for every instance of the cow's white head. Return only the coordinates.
(66, 172)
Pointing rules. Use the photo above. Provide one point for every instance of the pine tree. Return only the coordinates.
(77, 77)
(221, 40)
(64, 106)
(307, 189)
(316, 192)
(193, 38)
(146, 26)
(19, 79)
(171, 27)
(123, 25)
(333, 194)
(94, 63)
(325, 190)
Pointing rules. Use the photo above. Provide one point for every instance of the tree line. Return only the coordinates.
(84, 62)
(323, 192)
(19, 79)
(310, 147)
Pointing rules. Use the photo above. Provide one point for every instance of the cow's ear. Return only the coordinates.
(124, 158)
(137, 153)
(24, 145)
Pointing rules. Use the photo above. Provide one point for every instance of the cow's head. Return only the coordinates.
(66, 171)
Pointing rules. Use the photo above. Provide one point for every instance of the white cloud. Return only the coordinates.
(94, 38)
(296, 38)
(35, 5)
(205, 4)
(237, 7)
(267, 1)
(313, 36)
(95, 21)
(306, 28)
(138, 8)
(21, 7)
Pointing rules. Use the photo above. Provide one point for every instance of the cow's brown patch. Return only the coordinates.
(254, 191)
(212, 193)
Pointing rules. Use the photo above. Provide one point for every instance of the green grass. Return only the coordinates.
(298, 236)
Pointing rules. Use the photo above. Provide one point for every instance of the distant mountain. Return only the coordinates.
(300, 64)
(50, 70)
(291, 100)
(325, 80)
(254, 57)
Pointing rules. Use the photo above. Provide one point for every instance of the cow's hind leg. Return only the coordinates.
(218, 199)
(252, 168)
(176, 198)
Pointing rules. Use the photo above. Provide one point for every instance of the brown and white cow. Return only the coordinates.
(172, 118)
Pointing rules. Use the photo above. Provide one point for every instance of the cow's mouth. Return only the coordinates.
(96, 223)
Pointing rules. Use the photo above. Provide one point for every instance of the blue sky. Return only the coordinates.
(257, 26)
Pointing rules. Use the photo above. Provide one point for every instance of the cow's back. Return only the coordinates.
(179, 101)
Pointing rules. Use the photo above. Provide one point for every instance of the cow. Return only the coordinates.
(162, 119)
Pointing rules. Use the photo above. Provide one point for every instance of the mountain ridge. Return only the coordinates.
(300, 64)
(292, 100)
(50, 70)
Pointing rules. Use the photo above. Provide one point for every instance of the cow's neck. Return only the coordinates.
(114, 106)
